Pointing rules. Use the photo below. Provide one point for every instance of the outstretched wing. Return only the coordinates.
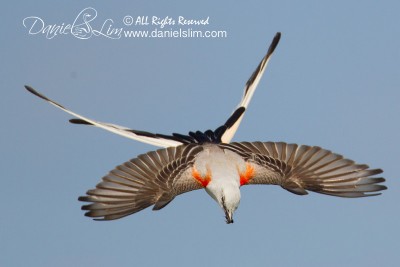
(145, 137)
(301, 168)
(234, 120)
(154, 178)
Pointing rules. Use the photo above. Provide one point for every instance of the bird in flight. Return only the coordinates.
(209, 160)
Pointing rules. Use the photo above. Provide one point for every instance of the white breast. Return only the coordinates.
(224, 167)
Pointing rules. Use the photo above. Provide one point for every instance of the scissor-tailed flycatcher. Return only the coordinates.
(208, 160)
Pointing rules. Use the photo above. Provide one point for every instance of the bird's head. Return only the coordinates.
(229, 200)
(228, 211)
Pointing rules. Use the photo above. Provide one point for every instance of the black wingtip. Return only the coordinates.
(382, 187)
(84, 199)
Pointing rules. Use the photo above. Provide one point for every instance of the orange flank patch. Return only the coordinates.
(247, 174)
(202, 180)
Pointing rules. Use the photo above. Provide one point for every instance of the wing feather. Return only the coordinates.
(154, 178)
(299, 169)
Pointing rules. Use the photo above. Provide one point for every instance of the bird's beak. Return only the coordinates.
(228, 213)
(228, 216)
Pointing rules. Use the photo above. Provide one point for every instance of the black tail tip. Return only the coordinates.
(36, 93)
(30, 89)
(274, 43)
(79, 121)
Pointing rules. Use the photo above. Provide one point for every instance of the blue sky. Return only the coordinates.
(333, 82)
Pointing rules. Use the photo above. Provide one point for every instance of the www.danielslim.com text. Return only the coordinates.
(189, 33)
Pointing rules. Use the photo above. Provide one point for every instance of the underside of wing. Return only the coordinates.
(142, 136)
(154, 178)
(301, 168)
(232, 124)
